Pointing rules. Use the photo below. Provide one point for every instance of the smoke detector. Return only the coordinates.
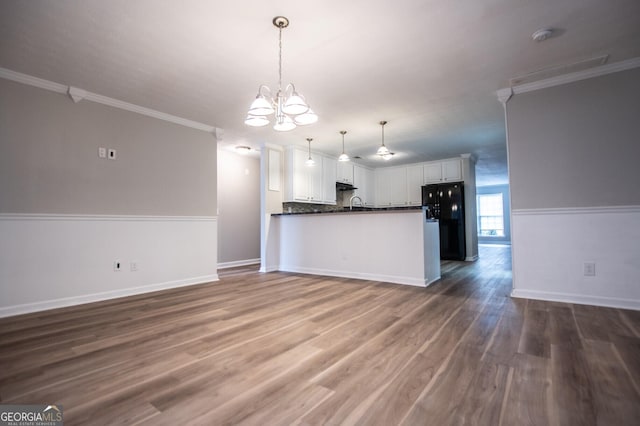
(542, 34)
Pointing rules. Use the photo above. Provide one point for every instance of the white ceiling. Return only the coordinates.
(430, 68)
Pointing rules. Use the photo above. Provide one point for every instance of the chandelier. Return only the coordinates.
(289, 106)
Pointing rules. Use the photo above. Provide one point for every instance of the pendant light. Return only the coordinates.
(289, 106)
(309, 161)
(343, 156)
(383, 151)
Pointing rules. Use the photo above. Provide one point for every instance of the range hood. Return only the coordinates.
(341, 186)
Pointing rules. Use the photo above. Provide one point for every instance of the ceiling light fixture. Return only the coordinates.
(289, 106)
(243, 149)
(343, 156)
(309, 161)
(542, 34)
(383, 150)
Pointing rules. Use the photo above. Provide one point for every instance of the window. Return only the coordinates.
(490, 215)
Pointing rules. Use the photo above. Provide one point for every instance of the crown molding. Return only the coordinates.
(77, 94)
(505, 94)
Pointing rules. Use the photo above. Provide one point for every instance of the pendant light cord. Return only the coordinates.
(280, 57)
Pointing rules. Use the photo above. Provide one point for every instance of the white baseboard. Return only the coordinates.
(98, 297)
(236, 263)
(360, 276)
(471, 258)
(579, 299)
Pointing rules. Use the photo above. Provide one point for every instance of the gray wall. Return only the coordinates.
(49, 159)
(576, 145)
(238, 207)
(504, 190)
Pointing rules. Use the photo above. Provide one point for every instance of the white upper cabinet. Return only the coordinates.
(391, 187)
(364, 181)
(443, 171)
(345, 172)
(329, 169)
(309, 184)
(414, 185)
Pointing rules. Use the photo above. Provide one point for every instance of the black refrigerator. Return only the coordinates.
(445, 202)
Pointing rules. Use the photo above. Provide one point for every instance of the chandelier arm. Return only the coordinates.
(265, 87)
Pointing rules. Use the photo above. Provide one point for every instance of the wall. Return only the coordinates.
(66, 215)
(238, 215)
(271, 197)
(573, 163)
(506, 210)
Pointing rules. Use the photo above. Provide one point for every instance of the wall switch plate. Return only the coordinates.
(117, 265)
(102, 152)
(589, 269)
(133, 266)
(111, 154)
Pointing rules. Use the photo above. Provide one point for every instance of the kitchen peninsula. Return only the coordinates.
(391, 245)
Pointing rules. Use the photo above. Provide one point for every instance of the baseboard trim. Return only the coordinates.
(361, 276)
(580, 299)
(10, 311)
(235, 263)
(471, 258)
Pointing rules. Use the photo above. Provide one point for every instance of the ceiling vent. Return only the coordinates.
(558, 70)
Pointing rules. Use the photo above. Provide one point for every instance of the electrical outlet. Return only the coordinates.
(589, 269)
(117, 265)
(112, 154)
(102, 152)
(133, 266)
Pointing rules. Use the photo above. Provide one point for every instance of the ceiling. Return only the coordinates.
(430, 68)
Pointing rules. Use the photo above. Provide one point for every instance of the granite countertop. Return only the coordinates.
(346, 210)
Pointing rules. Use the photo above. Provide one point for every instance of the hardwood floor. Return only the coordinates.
(279, 349)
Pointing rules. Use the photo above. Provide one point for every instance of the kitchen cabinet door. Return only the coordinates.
(383, 187)
(414, 185)
(443, 171)
(345, 172)
(452, 171)
(433, 173)
(299, 176)
(398, 178)
(364, 182)
(329, 169)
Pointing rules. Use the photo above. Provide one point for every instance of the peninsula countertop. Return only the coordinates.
(347, 210)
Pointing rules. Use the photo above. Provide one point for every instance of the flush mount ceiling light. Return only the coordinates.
(343, 156)
(289, 106)
(542, 34)
(309, 161)
(242, 149)
(383, 151)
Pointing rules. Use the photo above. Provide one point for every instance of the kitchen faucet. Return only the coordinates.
(353, 197)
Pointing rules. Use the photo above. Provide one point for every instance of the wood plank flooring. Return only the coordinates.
(280, 349)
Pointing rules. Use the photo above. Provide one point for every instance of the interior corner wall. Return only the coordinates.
(238, 215)
(67, 217)
(573, 162)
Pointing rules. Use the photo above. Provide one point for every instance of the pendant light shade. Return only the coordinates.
(290, 107)
(383, 151)
(343, 156)
(309, 161)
